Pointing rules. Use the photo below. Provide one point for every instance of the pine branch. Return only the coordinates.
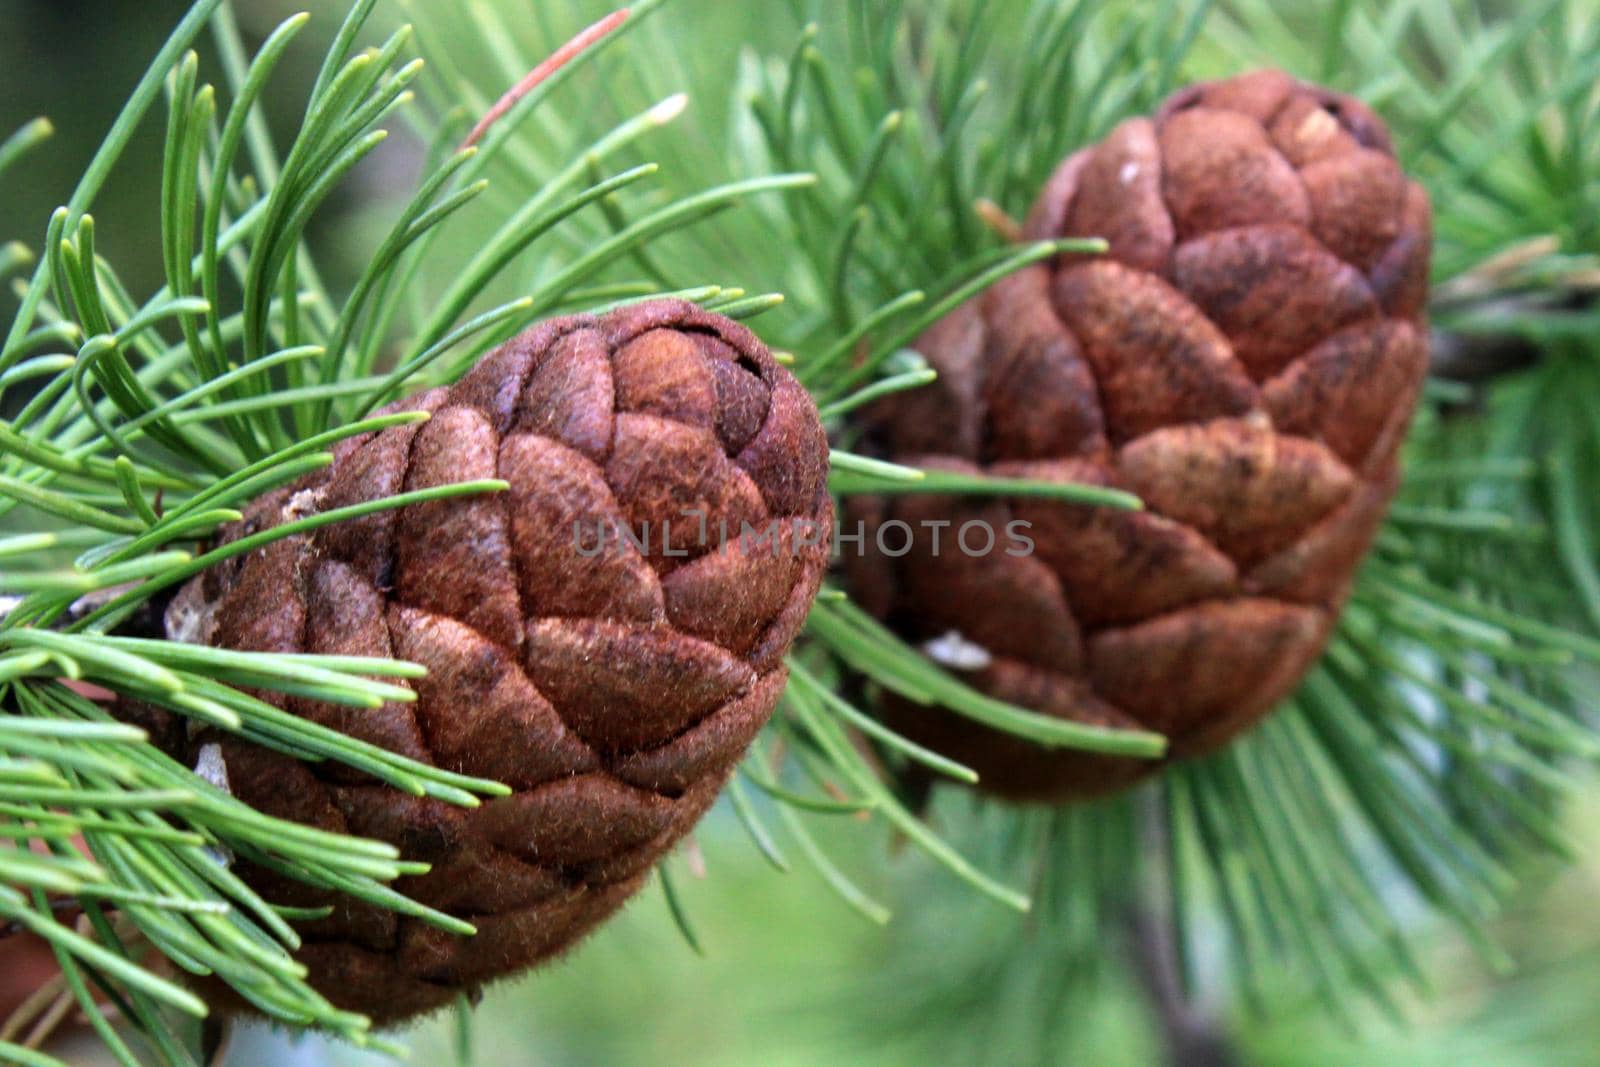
(880, 142)
(166, 416)
(1191, 1039)
(1424, 761)
(1438, 734)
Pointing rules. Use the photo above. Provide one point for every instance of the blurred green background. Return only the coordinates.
(789, 974)
(75, 61)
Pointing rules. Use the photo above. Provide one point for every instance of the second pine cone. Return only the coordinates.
(1245, 358)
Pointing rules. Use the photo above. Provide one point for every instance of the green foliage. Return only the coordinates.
(1498, 114)
(863, 159)
(143, 424)
(864, 270)
(1418, 771)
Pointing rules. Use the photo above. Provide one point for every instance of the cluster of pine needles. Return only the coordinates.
(866, 164)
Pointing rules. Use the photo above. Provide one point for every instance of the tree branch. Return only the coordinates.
(1191, 1031)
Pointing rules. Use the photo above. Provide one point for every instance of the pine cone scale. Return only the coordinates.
(662, 680)
(1118, 566)
(1359, 197)
(554, 497)
(1121, 198)
(1273, 290)
(479, 711)
(453, 558)
(1246, 489)
(1315, 568)
(1203, 662)
(1220, 170)
(1155, 358)
(703, 750)
(1353, 391)
(1400, 277)
(1037, 370)
(570, 396)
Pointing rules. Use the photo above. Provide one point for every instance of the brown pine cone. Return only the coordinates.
(613, 689)
(1245, 359)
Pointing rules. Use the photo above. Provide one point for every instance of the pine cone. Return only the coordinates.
(1245, 358)
(612, 689)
